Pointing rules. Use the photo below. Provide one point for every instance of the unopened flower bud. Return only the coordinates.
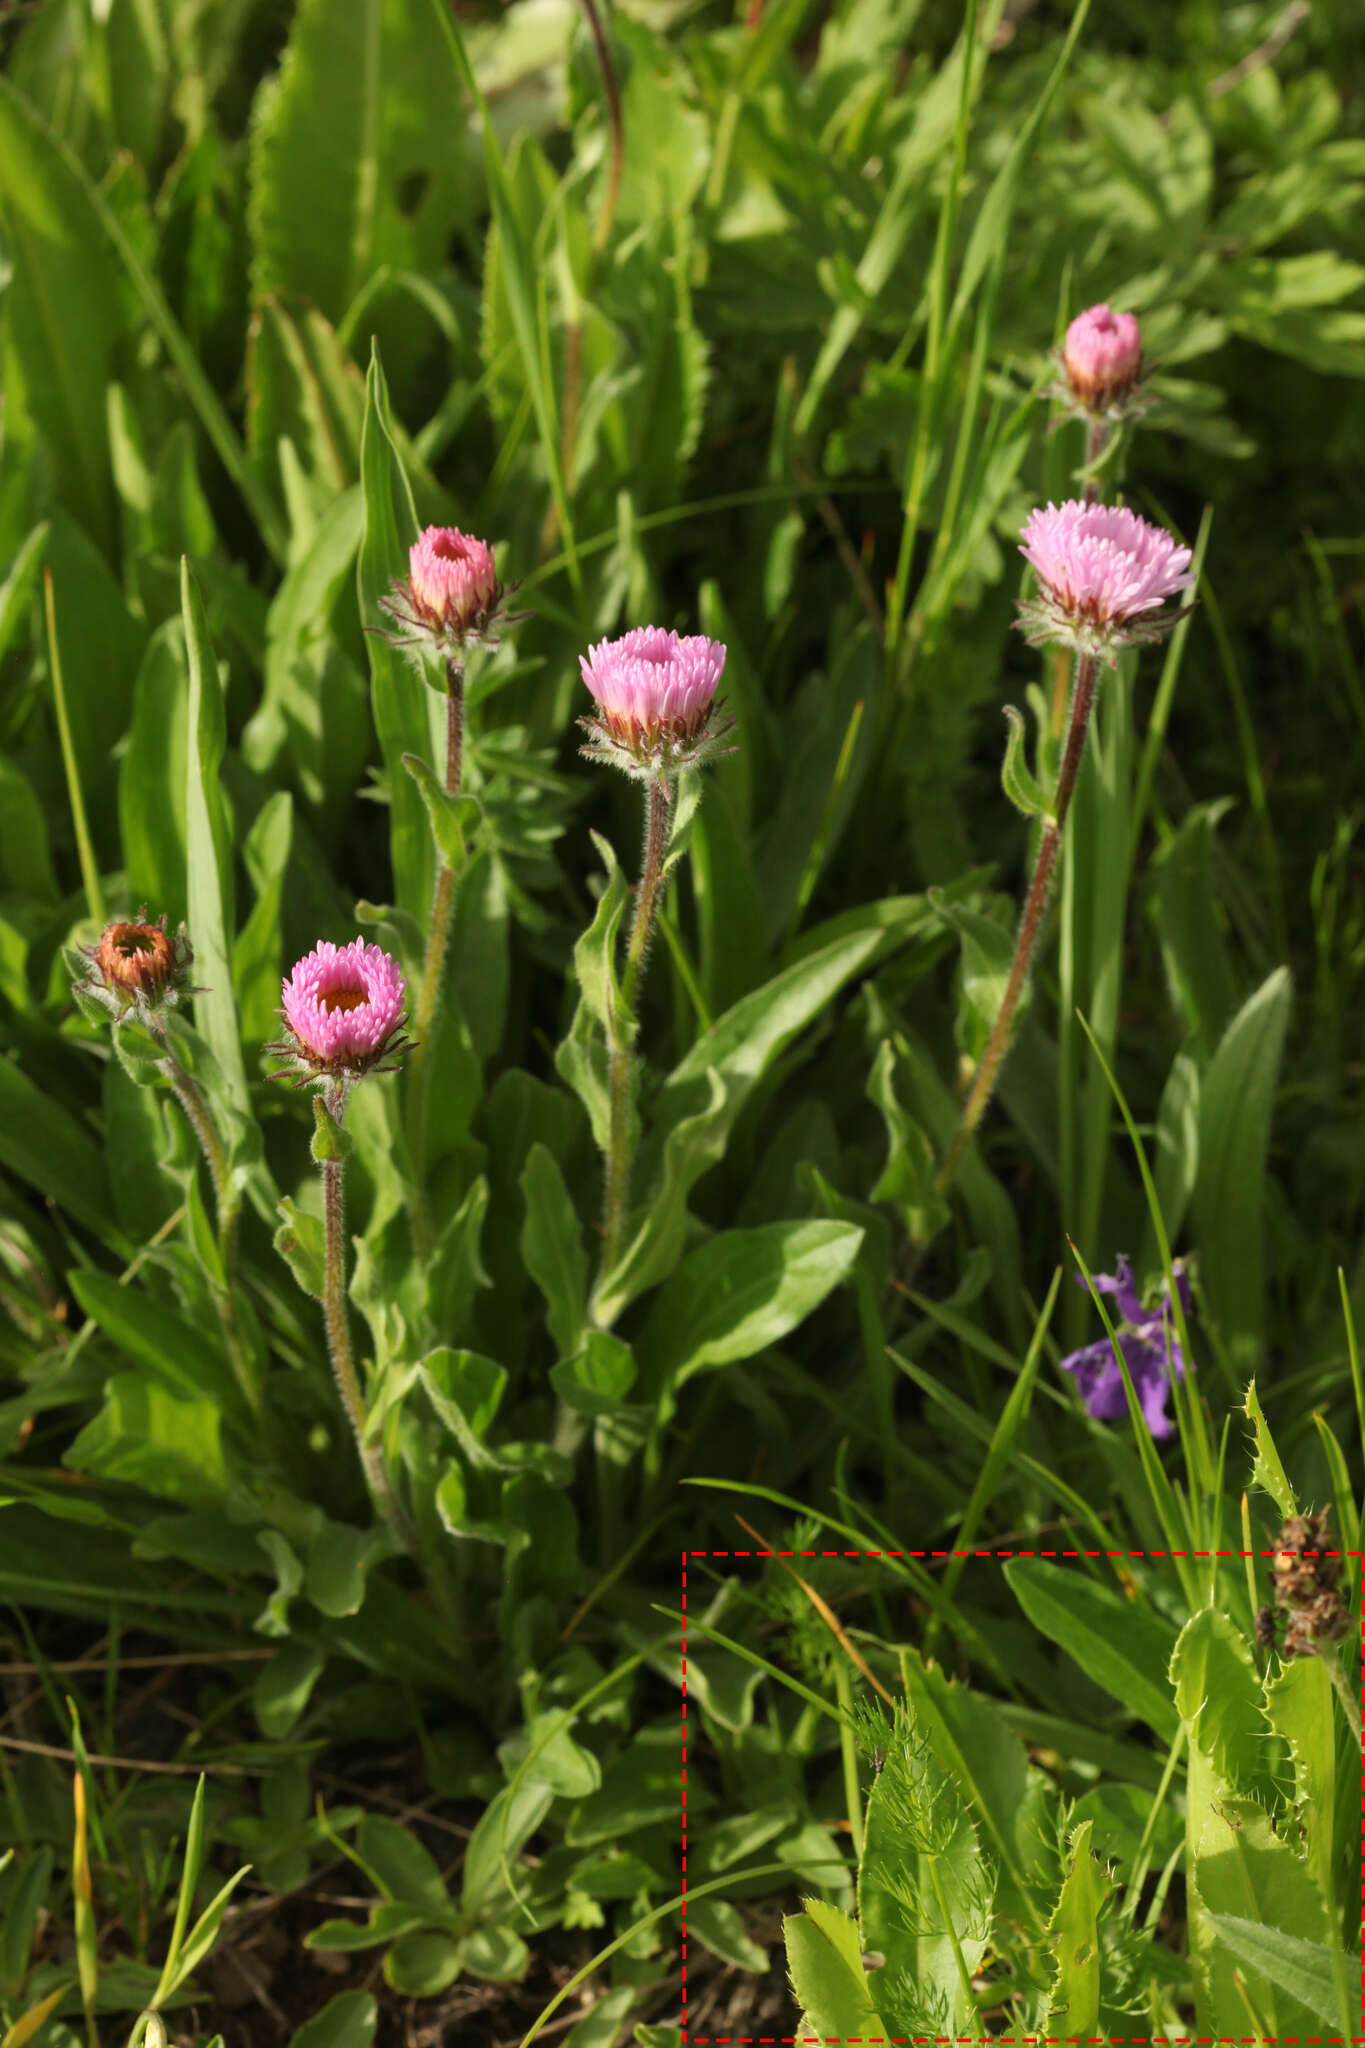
(656, 697)
(1102, 356)
(342, 1008)
(452, 595)
(137, 963)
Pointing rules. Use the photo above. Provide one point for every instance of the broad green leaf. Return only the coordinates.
(1074, 1932)
(334, 1574)
(257, 955)
(408, 717)
(63, 310)
(497, 1954)
(1230, 1193)
(423, 1964)
(1300, 1706)
(552, 1248)
(146, 1436)
(186, 1359)
(1303, 1969)
(102, 646)
(1190, 927)
(1218, 1696)
(346, 2021)
(284, 1686)
(596, 1379)
(1121, 1644)
(825, 1961)
(741, 1292)
(43, 1144)
(1236, 1865)
(404, 1870)
(359, 115)
(718, 1927)
(507, 1823)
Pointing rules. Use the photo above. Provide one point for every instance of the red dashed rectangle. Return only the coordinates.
(1006, 2040)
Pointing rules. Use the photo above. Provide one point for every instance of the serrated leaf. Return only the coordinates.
(824, 1958)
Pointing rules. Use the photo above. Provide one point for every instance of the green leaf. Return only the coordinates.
(1074, 2010)
(506, 1825)
(597, 1379)
(338, 1559)
(209, 851)
(44, 1145)
(1121, 1644)
(496, 1954)
(741, 1292)
(403, 1869)
(152, 777)
(421, 1965)
(552, 1249)
(1300, 1707)
(1218, 1696)
(359, 114)
(408, 717)
(330, 1142)
(300, 1241)
(146, 1436)
(1267, 1471)
(284, 1685)
(1304, 1969)
(257, 955)
(718, 1927)
(907, 1179)
(63, 310)
(1230, 1193)
(825, 1959)
(185, 1358)
(451, 817)
(987, 957)
(346, 2021)
(594, 954)
(1017, 779)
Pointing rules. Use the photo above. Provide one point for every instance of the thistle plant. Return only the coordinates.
(1105, 577)
(343, 1014)
(656, 703)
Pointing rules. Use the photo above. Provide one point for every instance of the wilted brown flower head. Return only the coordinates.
(1306, 1574)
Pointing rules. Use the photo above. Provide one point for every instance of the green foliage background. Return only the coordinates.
(283, 282)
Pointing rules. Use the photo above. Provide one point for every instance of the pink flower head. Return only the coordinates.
(1103, 575)
(1102, 356)
(452, 578)
(452, 596)
(343, 1012)
(655, 691)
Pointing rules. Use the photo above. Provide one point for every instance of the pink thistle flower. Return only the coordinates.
(452, 596)
(1104, 574)
(452, 578)
(656, 693)
(1102, 357)
(343, 1011)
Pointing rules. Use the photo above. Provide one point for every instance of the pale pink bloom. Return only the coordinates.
(655, 690)
(1103, 572)
(452, 579)
(342, 1006)
(1102, 356)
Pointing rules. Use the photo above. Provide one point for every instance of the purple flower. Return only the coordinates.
(1103, 576)
(1151, 1350)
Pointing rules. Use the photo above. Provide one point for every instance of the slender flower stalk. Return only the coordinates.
(657, 813)
(339, 1334)
(433, 970)
(655, 692)
(1104, 578)
(342, 1008)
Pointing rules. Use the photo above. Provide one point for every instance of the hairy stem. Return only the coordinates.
(658, 807)
(443, 903)
(987, 1073)
(339, 1342)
